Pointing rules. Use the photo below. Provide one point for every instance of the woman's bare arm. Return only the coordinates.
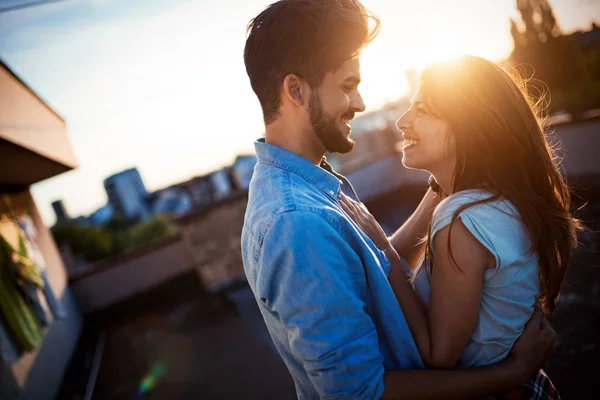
(442, 331)
(407, 240)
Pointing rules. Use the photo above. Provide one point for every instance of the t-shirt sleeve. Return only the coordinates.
(485, 221)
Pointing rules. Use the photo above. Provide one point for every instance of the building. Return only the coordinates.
(242, 170)
(34, 147)
(101, 216)
(591, 38)
(127, 194)
(207, 189)
(200, 189)
(221, 183)
(60, 211)
(172, 200)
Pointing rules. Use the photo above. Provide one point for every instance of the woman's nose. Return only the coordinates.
(404, 121)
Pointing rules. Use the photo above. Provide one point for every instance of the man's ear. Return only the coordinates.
(293, 89)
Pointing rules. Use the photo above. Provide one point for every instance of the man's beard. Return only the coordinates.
(325, 127)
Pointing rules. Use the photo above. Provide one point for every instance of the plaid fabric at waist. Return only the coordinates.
(539, 388)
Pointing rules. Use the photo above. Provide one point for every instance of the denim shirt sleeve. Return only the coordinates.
(313, 281)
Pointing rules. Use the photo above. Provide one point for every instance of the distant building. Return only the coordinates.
(81, 220)
(384, 118)
(221, 184)
(242, 170)
(200, 190)
(61, 212)
(591, 38)
(207, 189)
(172, 200)
(127, 194)
(101, 216)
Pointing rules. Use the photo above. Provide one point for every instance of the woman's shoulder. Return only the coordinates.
(477, 203)
(492, 220)
(467, 197)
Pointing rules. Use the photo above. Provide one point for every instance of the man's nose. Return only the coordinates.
(358, 105)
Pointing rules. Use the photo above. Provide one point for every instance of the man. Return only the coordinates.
(319, 281)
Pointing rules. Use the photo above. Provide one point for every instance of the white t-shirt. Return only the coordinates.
(510, 290)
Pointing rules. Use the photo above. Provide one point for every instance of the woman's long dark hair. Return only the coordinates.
(501, 145)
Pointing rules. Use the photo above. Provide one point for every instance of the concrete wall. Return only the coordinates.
(122, 277)
(38, 375)
(214, 239)
(579, 144)
(209, 243)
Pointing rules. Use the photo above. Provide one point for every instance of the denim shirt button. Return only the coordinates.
(331, 192)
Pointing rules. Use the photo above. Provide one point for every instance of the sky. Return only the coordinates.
(161, 84)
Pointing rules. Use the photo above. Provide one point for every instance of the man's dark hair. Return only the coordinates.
(309, 38)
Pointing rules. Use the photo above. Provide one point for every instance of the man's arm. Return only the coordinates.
(527, 356)
(452, 384)
(313, 282)
(407, 240)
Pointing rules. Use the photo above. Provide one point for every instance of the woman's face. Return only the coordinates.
(428, 144)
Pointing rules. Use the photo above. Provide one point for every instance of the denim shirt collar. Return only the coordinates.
(319, 176)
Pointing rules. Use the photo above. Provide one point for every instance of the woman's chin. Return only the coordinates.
(410, 163)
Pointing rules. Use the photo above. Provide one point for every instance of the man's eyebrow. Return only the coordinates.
(352, 79)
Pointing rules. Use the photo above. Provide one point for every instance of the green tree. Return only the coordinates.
(558, 60)
(539, 21)
(90, 243)
(118, 223)
(93, 243)
(155, 228)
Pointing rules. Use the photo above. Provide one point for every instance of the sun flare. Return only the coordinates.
(413, 35)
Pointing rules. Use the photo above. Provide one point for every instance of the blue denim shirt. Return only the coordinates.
(320, 282)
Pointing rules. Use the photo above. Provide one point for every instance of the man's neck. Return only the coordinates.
(304, 144)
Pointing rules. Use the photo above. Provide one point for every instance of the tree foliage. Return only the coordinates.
(95, 243)
(562, 62)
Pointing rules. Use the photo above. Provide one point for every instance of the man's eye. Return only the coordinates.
(421, 111)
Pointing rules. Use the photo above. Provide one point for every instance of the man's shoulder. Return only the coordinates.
(274, 227)
(274, 191)
(288, 201)
(295, 212)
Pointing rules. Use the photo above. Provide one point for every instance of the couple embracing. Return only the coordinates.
(452, 305)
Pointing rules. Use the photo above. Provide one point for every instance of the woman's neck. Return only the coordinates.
(444, 176)
(445, 182)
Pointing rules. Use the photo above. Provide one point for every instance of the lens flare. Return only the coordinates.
(150, 380)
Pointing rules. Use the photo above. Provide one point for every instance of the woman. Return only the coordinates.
(501, 238)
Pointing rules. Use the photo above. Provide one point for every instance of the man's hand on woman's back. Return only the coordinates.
(531, 351)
